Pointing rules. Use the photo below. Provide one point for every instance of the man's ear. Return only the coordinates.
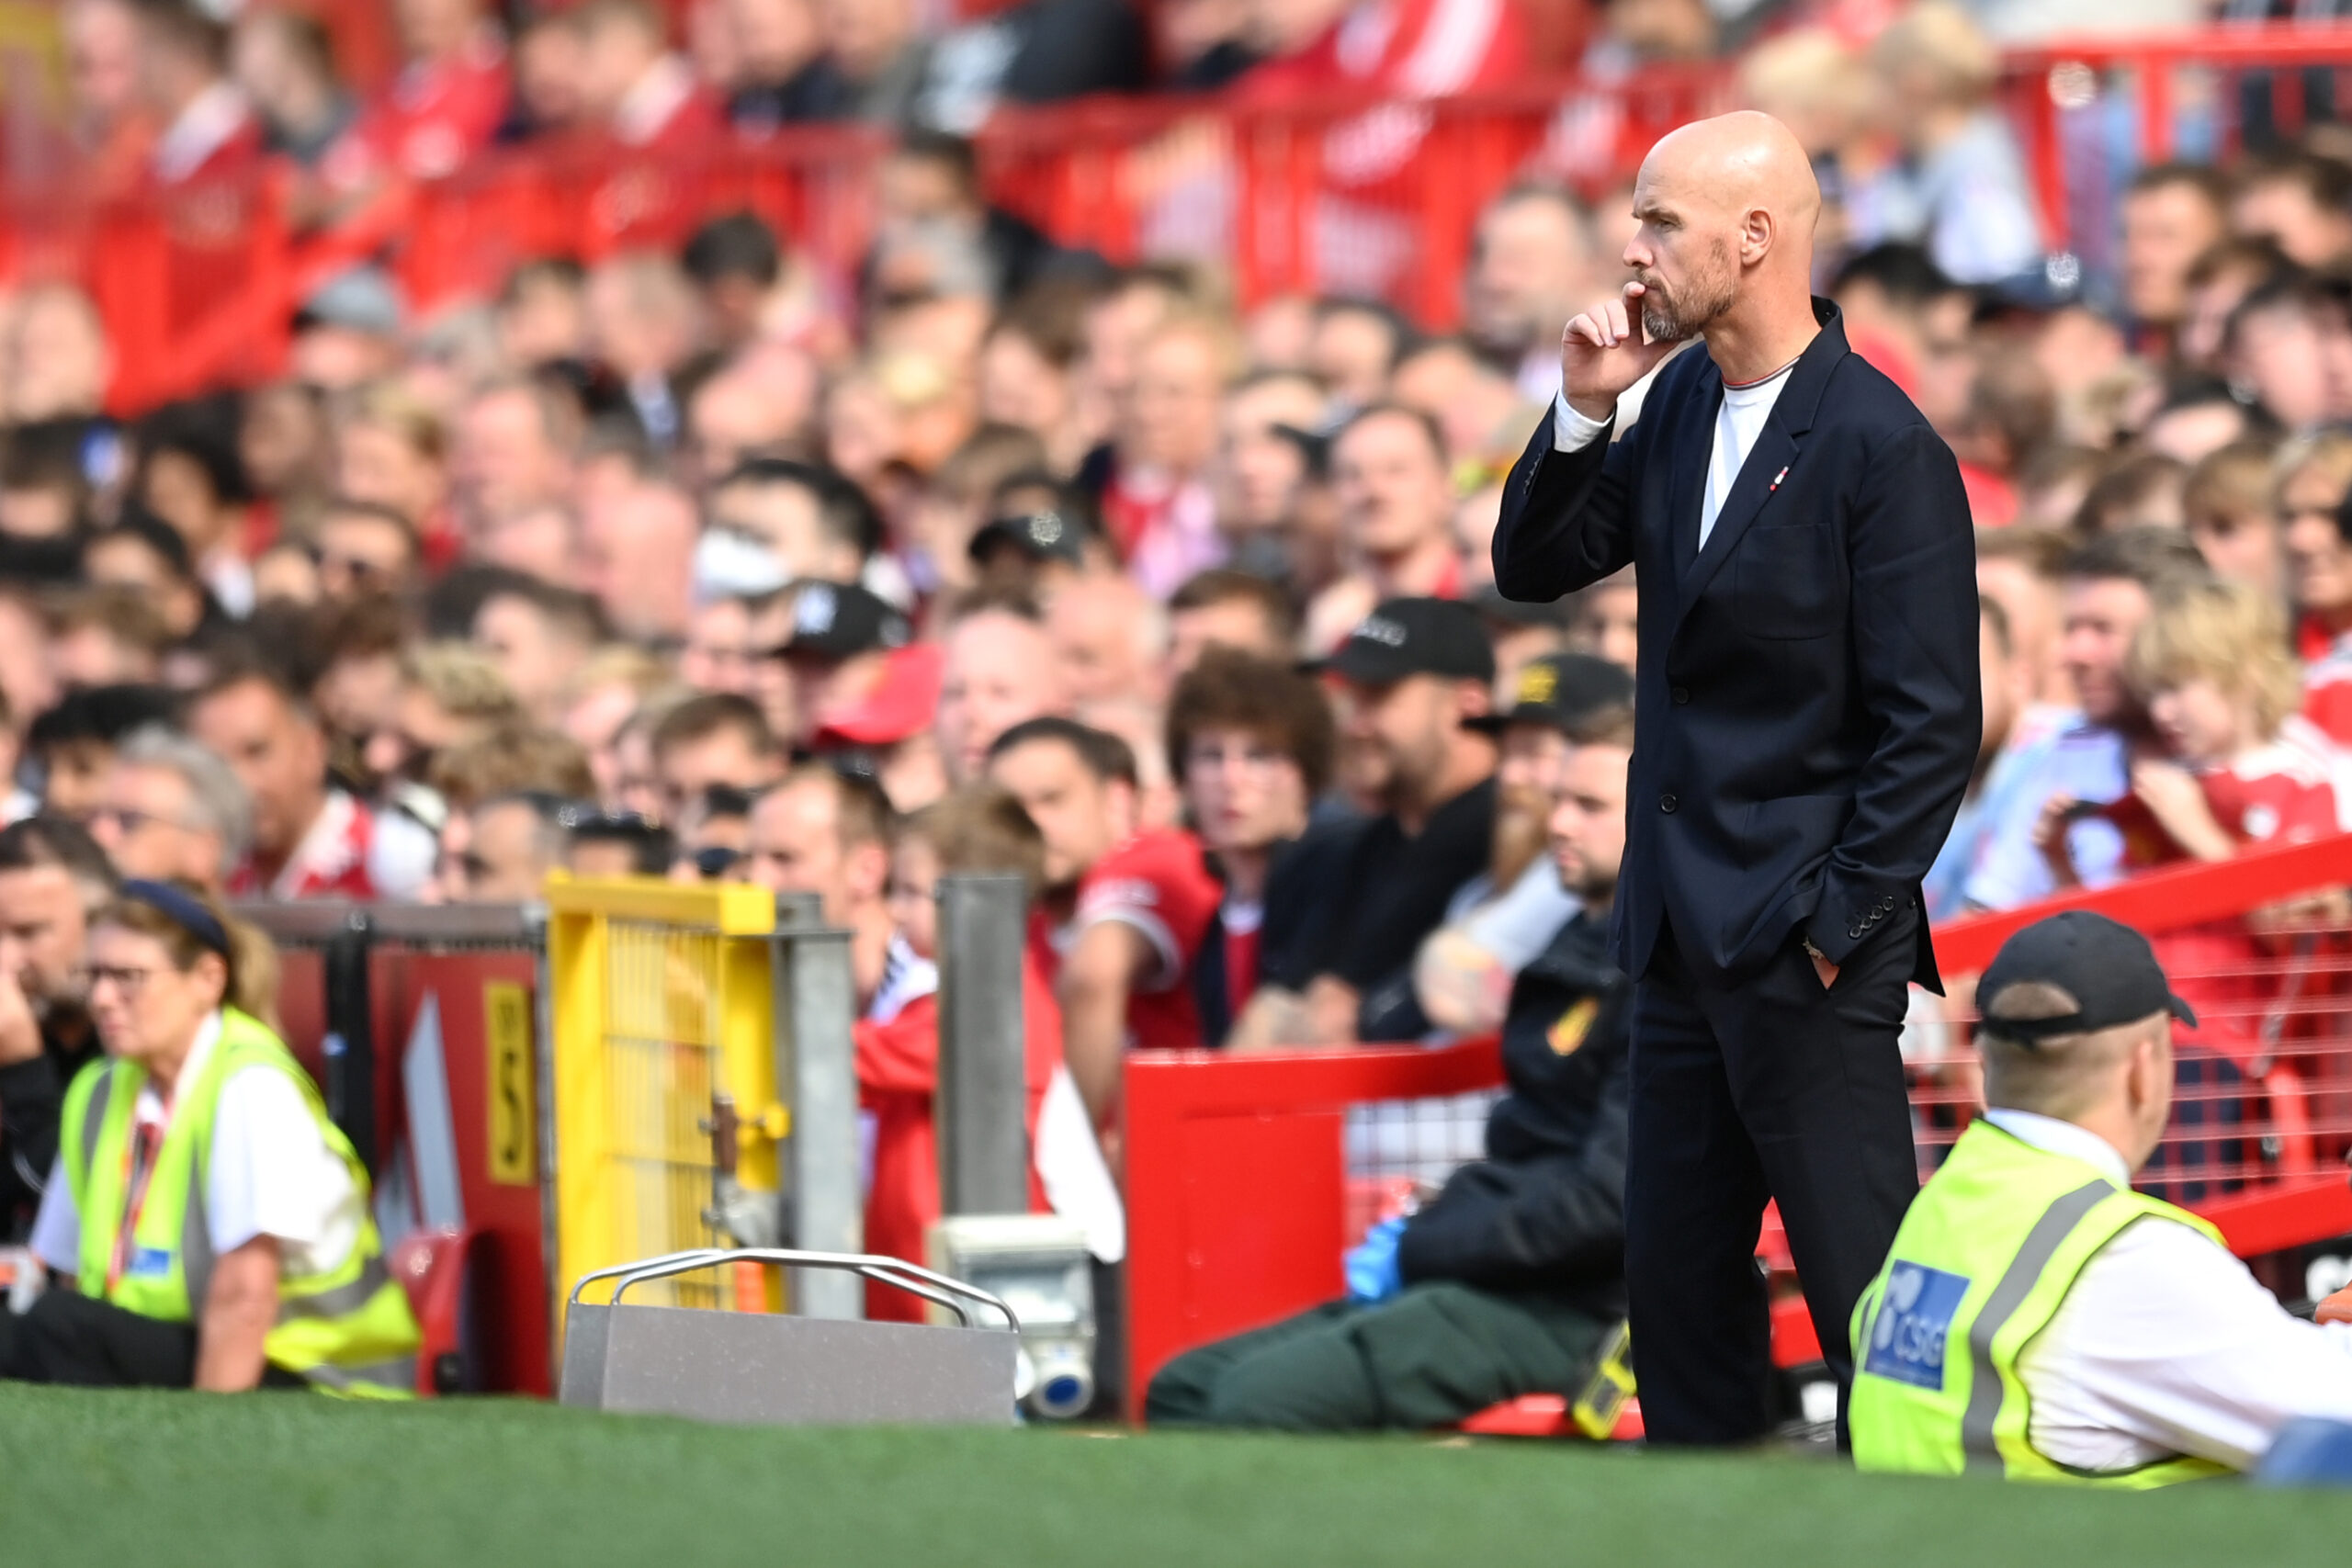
(1472, 699)
(868, 870)
(1756, 235)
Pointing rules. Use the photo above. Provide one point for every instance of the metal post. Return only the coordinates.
(816, 1004)
(983, 1148)
(351, 1037)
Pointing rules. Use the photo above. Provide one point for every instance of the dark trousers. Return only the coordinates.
(71, 1338)
(1770, 1087)
(1426, 1357)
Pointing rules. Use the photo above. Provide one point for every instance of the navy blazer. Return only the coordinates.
(1807, 702)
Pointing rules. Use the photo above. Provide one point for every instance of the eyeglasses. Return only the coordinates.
(126, 980)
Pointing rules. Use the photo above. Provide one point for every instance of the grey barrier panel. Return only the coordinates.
(983, 1147)
(753, 1366)
(815, 1003)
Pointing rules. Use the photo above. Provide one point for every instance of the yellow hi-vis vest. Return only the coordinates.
(347, 1331)
(1982, 1264)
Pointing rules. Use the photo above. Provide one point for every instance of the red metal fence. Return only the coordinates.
(1339, 195)
(1244, 1184)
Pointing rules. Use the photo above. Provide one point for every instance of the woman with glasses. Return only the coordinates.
(206, 1225)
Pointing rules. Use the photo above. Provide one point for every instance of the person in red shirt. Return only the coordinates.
(1137, 901)
(643, 94)
(2233, 766)
(451, 92)
(209, 133)
(310, 840)
(1251, 742)
(978, 828)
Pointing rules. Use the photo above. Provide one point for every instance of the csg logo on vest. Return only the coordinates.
(1908, 1330)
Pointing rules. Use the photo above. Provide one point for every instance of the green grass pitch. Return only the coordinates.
(266, 1479)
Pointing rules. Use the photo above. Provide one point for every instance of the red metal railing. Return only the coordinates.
(1239, 1191)
(1344, 193)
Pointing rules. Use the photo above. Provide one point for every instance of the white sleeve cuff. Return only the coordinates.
(1571, 432)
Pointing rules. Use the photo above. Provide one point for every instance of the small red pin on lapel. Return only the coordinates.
(1776, 480)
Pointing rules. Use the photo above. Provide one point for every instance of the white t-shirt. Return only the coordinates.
(271, 1173)
(1738, 424)
(2166, 1345)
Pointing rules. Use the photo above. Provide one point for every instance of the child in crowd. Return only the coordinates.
(978, 828)
(2229, 766)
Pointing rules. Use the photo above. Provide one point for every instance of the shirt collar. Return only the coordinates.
(151, 1106)
(647, 107)
(2053, 1136)
(211, 119)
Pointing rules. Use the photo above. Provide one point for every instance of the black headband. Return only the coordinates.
(182, 909)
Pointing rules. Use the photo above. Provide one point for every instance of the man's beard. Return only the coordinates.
(1666, 318)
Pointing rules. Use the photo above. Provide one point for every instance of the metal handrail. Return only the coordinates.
(897, 1272)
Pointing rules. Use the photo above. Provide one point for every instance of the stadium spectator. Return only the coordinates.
(2022, 570)
(171, 811)
(540, 637)
(2298, 201)
(2173, 213)
(1604, 620)
(106, 636)
(819, 831)
(777, 50)
(633, 88)
(1509, 1281)
(54, 878)
(207, 131)
(509, 844)
(773, 522)
(980, 829)
(1126, 908)
(637, 553)
(444, 695)
(1111, 638)
(2229, 500)
(447, 101)
(641, 319)
(1000, 671)
(72, 743)
(713, 836)
(145, 558)
(190, 476)
(1532, 263)
(839, 652)
(311, 839)
(2007, 676)
(1497, 922)
(1157, 507)
(1960, 189)
(2314, 482)
(182, 995)
(108, 120)
(513, 457)
(1347, 909)
(714, 739)
(1395, 499)
(2111, 584)
(1250, 743)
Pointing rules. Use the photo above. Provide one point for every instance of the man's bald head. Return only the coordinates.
(1726, 208)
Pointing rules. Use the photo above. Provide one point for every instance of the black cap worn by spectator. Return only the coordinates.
(1414, 636)
(842, 620)
(2107, 968)
(1040, 535)
(1560, 691)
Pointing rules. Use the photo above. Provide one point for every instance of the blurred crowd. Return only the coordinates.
(671, 565)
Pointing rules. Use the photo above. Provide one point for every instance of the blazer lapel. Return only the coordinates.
(1685, 486)
(1775, 451)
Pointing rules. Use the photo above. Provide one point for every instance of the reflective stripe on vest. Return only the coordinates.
(348, 1330)
(1984, 1259)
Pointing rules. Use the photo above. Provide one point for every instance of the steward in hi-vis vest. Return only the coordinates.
(210, 1225)
(2036, 1317)
(347, 1330)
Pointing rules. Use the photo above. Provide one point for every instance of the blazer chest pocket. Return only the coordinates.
(1785, 581)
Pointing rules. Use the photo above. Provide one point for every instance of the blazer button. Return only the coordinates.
(1680, 695)
(1668, 803)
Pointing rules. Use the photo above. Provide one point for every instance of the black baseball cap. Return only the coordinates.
(842, 620)
(1414, 636)
(2107, 968)
(1040, 535)
(1560, 689)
